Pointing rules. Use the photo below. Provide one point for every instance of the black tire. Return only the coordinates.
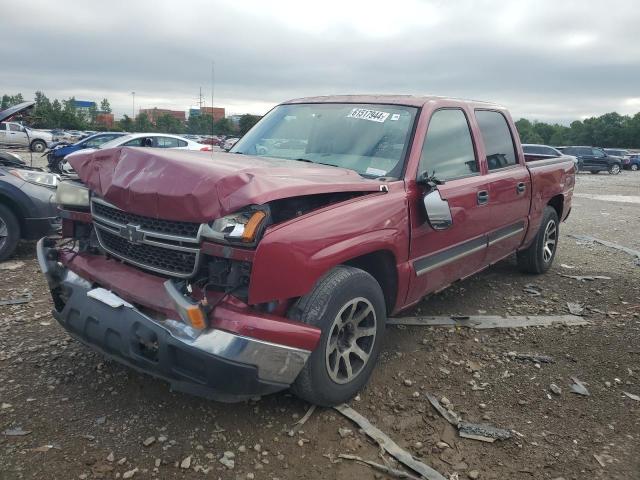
(38, 146)
(326, 305)
(535, 259)
(9, 232)
(634, 167)
(614, 169)
(595, 172)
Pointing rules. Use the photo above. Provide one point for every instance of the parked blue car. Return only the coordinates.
(60, 150)
(634, 162)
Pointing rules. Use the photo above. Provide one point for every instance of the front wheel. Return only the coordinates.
(349, 308)
(540, 254)
(634, 167)
(614, 169)
(38, 146)
(9, 232)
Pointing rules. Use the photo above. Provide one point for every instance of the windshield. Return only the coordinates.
(370, 139)
(116, 142)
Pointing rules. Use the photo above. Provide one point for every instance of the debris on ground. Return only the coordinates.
(392, 472)
(578, 387)
(25, 298)
(489, 321)
(632, 396)
(473, 431)
(555, 389)
(482, 432)
(12, 265)
(16, 432)
(575, 308)
(449, 415)
(531, 357)
(389, 445)
(306, 416)
(585, 278)
(532, 290)
(586, 239)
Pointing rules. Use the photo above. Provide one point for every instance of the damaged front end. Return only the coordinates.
(170, 298)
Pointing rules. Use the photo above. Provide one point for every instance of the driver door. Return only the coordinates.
(440, 257)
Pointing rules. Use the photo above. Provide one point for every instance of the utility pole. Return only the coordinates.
(133, 111)
(200, 99)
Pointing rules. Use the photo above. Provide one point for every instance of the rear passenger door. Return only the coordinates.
(3, 133)
(439, 257)
(509, 185)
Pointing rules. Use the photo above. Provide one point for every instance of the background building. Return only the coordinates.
(84, 105)
(105, 119)
(217, 112)
(153, 114)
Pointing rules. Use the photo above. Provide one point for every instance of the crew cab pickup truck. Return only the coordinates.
(276, 265)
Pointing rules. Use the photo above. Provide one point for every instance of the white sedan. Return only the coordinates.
(155, 140)
(148, 140)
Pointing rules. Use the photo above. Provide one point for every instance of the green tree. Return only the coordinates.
(125, 124)
(169, 124)
(222, 127)
(142, 123)
(105, 106)
(246, 122)
(10, 100)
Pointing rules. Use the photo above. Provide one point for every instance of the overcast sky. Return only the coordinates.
(548, 60)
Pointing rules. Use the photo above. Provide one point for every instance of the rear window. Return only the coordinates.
(497, 139)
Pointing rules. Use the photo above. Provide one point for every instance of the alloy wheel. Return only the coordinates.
(549, 242)
(351, 340)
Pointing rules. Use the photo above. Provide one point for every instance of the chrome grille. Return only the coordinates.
(163, 246)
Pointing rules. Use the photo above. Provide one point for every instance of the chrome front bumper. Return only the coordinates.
(212, 363)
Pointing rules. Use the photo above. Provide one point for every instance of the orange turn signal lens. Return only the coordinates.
(251, 228)
(196, 318)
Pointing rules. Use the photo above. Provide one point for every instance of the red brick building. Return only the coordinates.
(105, 119)
(154, 113)
(217, 112)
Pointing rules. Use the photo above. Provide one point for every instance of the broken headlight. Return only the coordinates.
(72, 194)
(243, 227)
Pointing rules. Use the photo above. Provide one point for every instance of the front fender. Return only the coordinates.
(290, 259)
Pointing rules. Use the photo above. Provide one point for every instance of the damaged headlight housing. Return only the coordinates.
(72, 194)
(243, 227)
(34, 176)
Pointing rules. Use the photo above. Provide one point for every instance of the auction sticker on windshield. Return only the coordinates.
(371, 115)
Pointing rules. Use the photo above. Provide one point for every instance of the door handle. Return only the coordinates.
(521, 187)
(483, 197)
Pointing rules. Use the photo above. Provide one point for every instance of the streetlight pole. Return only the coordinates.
(133, 111)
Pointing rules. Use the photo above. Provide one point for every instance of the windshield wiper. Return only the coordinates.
(319, 163)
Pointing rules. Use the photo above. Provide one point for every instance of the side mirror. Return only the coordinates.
(438, 212)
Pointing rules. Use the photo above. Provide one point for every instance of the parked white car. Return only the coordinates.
(148, 140)
(155, 140)
(15, 134)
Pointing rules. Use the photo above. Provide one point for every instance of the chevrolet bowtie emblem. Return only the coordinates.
(132, 233)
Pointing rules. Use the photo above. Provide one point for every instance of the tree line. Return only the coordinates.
(64, 114)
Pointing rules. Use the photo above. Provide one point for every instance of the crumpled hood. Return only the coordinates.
(199, 186)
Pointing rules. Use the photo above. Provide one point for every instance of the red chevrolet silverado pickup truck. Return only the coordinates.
(275, 265)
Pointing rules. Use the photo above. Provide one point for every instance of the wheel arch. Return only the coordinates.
(382, 266)
(15, 208)
(557, 202)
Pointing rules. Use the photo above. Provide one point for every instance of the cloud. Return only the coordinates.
(543, 59)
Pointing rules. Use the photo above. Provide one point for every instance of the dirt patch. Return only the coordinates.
(80, 416)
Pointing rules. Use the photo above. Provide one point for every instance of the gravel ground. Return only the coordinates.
(84, 417)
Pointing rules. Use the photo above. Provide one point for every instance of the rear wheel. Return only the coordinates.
(9, 232)
(540, 254)
(614, 169)
(634, 167)
(348, 306)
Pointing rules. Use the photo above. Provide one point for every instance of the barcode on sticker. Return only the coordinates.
(371, 115)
